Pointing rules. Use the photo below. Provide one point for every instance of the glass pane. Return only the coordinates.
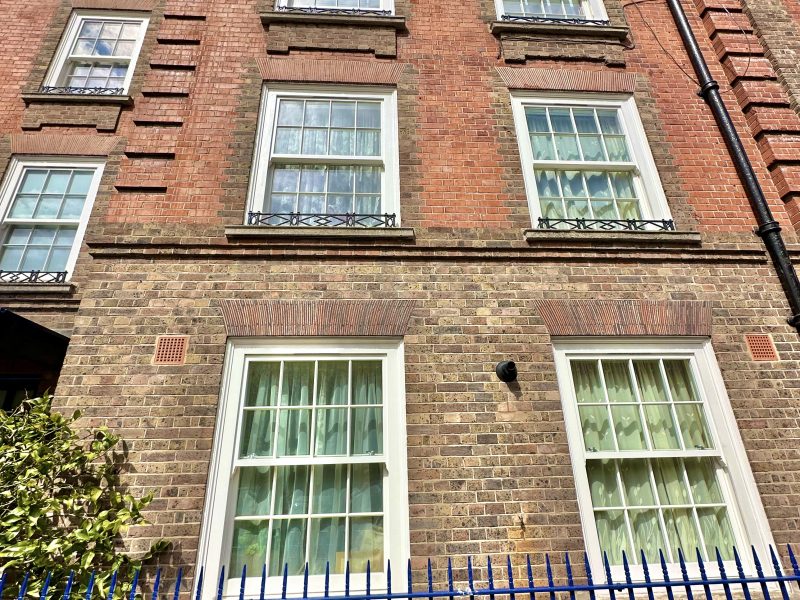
(647, 535)
(288, 548)
(572, 184)
(291, 490)
(546, 184)
(287, 140)
(332, 380)
(623, 185)
(603, 209)
(72, 207)
(717, 532)
(598, 185)
(669, 481)
(285, 179)
(327, 546)
(584, 120)
(609, 123)
(537, 119)
(366, 544)
(366, 494)
(603, 483)
(331, 435)
(293, 432)
(255, 492)
(682, 533)
(24, 206)
(290, 112)
(596, 428)
(636, 478)
(330, 489)
(312, 178)
(561, 121)
(10, 258)
(90, 29)
(578, 209)
(628, 427)
(366, 434)
(613, 534)
(680, 380)
(617, 149)
(58, 259)
(317, 113)
(33, 181)
(542, 145)
(663, 434)
(368, 180)
(567, 147)
(343, 114)
(369, 115)
(262, 384)
(651, 385)
(367, 382)
(341, 180)
(249, 547)
(703, 481)
(342, 142)
(586, 379)
(258, 428)
(130, 31)
(34, 259)
(693, 426)
(315, 141)
(368, 143)
(49, 206)
(618, 381)
(592, 147)
(298, 381)
(629, 209)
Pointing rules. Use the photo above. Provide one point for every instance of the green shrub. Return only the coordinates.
(61, 505)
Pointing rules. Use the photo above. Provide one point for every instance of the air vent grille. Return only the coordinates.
(761, 347)
(171, 350)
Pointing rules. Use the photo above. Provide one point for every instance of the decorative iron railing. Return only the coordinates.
(555, 20)
(321, 220)
(608, 224)
(713, 582)
(81, 91)
(33, 276)
(320, 10)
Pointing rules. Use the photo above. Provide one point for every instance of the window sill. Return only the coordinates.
(392, 22)
(77, 99)
(560, 30)
(51, 289)
(614, 238)
(250, 232)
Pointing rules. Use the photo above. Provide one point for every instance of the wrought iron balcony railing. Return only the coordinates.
(555, 20)
(321, 220)
(33, 276)
(608, 224)
(81, 91)
(318, 10)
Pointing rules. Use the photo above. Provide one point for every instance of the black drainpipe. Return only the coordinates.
(768, 228)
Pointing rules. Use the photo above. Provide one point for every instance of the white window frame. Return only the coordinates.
(13, 180)
(385, 5)
(746, 512)
(595, 10)
(215, 538)
(389, 157)
(56, 74)
(653, 202)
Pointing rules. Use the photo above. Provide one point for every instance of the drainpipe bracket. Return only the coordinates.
(707, 87)
(794, 321)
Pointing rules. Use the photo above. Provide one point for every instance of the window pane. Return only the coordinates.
(628, 427)
(651, 385)
(703, 481)
(332, 381)
(58, 259)
(682, 533)
(618, 381)
(288, 547)
(680, 380)
(647, 535)
(367, 488)
(290, 112)
(327, 546)
(262, 384)
(717, 532)
(291, 490)
(249, 547)
(330, 489)
(343, 114)
(613, 534)
(636, 478)
(293, 432)
(693, 426)
(366, 544)
(317, 113)
(298, 383)
(33, 181)
(669, 481)
(596, 428)
(586, 379)
(24, 206)
(603, 483)
(367, 382)
(331, 435)
(537, 119)
(255, 492)
(258, 429)
(367, 431)
(663, 435)
(369, 115)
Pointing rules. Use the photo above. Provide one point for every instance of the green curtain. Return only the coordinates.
(331, 424)
(258, 425)
(366, 429)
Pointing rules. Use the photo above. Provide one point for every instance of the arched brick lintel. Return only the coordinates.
(626, 317)
(341, 318)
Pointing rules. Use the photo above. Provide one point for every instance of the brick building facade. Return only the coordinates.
(477, 146)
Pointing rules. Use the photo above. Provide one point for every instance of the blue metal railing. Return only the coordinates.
(762, 585)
